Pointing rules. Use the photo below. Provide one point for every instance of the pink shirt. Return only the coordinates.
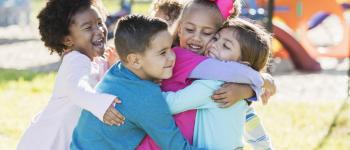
(186, 61)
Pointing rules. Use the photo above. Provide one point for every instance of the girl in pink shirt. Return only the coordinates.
(194, 33)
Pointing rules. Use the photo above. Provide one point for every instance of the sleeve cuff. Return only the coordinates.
(257, 94)
(103, 105)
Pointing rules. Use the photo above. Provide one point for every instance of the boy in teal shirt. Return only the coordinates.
(144, 46)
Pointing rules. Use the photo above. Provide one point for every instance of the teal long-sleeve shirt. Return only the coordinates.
(215, 128)
(145, 110)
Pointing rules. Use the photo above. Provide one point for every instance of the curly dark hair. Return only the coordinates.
(55, 19)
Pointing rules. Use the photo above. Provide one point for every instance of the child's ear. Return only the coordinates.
(134, 60)
(67, 41)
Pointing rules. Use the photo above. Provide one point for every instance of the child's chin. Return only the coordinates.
(100, 51)
(167, 76)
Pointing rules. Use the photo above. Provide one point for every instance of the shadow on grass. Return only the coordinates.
(7, 75)
(338, 135)
(12, 41)
(51, 67)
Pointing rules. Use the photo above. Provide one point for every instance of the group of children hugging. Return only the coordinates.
(182, 78)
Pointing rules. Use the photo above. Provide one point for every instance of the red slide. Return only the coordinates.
(301, 59)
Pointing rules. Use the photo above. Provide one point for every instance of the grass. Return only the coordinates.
(295, 125)
(298, 125)
(23, 94)
(340, 132)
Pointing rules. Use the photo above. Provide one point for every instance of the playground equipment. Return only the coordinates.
(294, 19)
(304, 15)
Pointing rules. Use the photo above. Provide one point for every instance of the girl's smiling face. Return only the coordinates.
(198, 25)
(224, 46)
(88, 33)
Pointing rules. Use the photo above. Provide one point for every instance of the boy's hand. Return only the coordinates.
(269, 87)
(111, 56)
(230, 93)
(112, 115)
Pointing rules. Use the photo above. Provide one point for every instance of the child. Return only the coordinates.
(144, 47)
(199, 23)
(74, 28)
(195, 31)
(216, 128)
(190, 65)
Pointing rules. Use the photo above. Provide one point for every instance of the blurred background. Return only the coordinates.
(311, 109)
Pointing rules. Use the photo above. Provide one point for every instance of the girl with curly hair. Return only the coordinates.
(75, 30)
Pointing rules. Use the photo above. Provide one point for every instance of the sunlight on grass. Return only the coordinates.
(340, 136)
(297, 125)
(22, 96)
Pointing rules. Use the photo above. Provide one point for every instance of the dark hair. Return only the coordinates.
(255, 42)
(55, 19)
(134, 33)
(171, 8)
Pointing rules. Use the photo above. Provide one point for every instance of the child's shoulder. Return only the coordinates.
(76, 57)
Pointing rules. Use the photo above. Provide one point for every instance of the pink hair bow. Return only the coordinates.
(225, 7)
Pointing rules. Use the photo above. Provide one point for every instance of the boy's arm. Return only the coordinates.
(80, 91)
(158, 123)
(195, 96)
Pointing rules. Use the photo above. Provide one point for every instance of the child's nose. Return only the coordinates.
(100, 30)
(197, 37)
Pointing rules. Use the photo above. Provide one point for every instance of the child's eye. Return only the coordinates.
(207, 33)
(87, 28)
(163, 53)
(226, 47)
(189, 30)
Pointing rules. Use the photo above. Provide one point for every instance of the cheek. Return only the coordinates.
(235, 55)
(82, 38)
(183, 35)
(182, 40)
(207, 39)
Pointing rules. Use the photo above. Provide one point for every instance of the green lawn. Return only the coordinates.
(292, 125)
(295, 125)
(23, 94)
